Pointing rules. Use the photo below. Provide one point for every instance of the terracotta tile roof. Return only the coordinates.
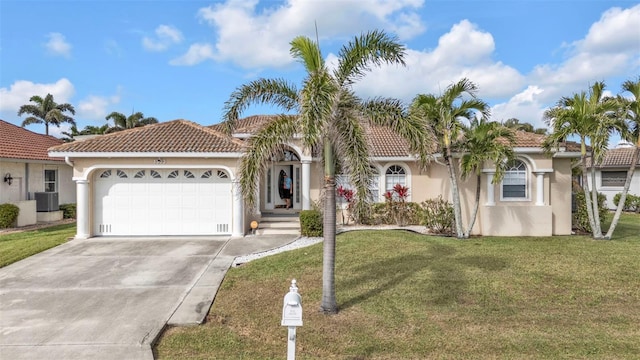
(619, 158)
(248, 125)
(384, 142)
(179, 136)
(19, 143)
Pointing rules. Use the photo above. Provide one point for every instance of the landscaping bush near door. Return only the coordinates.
(311, 223)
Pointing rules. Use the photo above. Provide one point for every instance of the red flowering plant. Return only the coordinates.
(348, 196)
(396, 203)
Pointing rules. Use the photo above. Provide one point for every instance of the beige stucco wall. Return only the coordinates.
(25, 185)
(525, 217)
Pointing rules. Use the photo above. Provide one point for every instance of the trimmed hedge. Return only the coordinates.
(8, 215)
(68, 211)
(311, 223)
(631, 202)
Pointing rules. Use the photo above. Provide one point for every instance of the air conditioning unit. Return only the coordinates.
(47, 201)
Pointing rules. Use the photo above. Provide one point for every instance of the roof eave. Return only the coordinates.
(227, 155)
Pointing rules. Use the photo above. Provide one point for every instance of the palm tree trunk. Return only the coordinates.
(474, 214)
(46, 128)
(585, 189)
(623, 197)
(455, 194)
(329, 304)
(597, 232)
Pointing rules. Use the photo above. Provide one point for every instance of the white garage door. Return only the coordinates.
(162, 202)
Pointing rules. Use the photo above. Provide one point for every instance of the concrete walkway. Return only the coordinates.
(110, 298)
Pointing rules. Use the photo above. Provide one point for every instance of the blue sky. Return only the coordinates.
(182, 59)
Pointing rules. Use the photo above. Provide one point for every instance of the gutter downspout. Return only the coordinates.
(69, 162)
(26, 180)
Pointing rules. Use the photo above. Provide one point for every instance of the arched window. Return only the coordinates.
(395, 174)
(514, 183)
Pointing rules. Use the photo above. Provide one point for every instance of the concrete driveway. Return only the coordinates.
(109, 298)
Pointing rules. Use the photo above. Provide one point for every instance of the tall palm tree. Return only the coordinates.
(122, 122)
(631, 114)
(329, 120)
(46, 111)
(485, 141)
(591, 117)
(444, 116)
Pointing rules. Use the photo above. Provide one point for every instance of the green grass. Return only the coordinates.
(408, 296)
(17, 246)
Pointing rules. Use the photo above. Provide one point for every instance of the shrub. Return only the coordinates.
(8, 215)
(437, 215)
(311, 223)
(631, 202)
(68, 211)
(581, 217)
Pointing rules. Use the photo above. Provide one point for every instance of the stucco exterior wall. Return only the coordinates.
(611, 191)
(560, 183)
(28, 178)
(510, 220)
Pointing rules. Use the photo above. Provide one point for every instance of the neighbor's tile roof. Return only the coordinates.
(19, 143)
(179, 136)
(619, 157)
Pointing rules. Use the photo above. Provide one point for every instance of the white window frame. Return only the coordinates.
(527, 183)
(407, 178)
(47, 182)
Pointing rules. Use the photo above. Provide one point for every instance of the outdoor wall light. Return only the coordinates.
(8, 179)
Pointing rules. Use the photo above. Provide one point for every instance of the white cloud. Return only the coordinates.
(21, 91)
(526, 106)
(196, 54)
(95, 107)
(166, 36)
(57, 45)
(465, 51)
(610, 48)
(254, 39)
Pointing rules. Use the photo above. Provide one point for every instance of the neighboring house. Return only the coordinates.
(26, 169)
(611, 173)
(180, 178)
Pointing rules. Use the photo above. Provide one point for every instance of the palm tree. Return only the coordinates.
(591, 117)
(88, 130)
(631, 113)
(485, 141)
(46, 111)
(515, 124)
(329, 120)
(122, 122)
(444, 115)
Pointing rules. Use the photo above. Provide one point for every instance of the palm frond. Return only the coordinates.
(276, 92)
(260, 150)
(370, 49)
(308, 53)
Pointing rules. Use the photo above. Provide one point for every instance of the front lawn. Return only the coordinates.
(17, 246)
(409, 296)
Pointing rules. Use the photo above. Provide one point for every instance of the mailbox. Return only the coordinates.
(292, 307)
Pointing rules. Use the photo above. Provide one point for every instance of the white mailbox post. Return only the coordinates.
(292, 317)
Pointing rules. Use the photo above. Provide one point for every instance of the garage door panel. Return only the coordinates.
(161, 206)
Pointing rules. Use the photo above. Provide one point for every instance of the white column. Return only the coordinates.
(539, 189)
(238, 210)
(490, 187)
(82, 209)
(306, 181)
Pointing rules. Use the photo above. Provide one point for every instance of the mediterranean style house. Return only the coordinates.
(28, 173)
(181, 178)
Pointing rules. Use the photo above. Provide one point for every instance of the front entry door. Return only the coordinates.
(273, 185)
